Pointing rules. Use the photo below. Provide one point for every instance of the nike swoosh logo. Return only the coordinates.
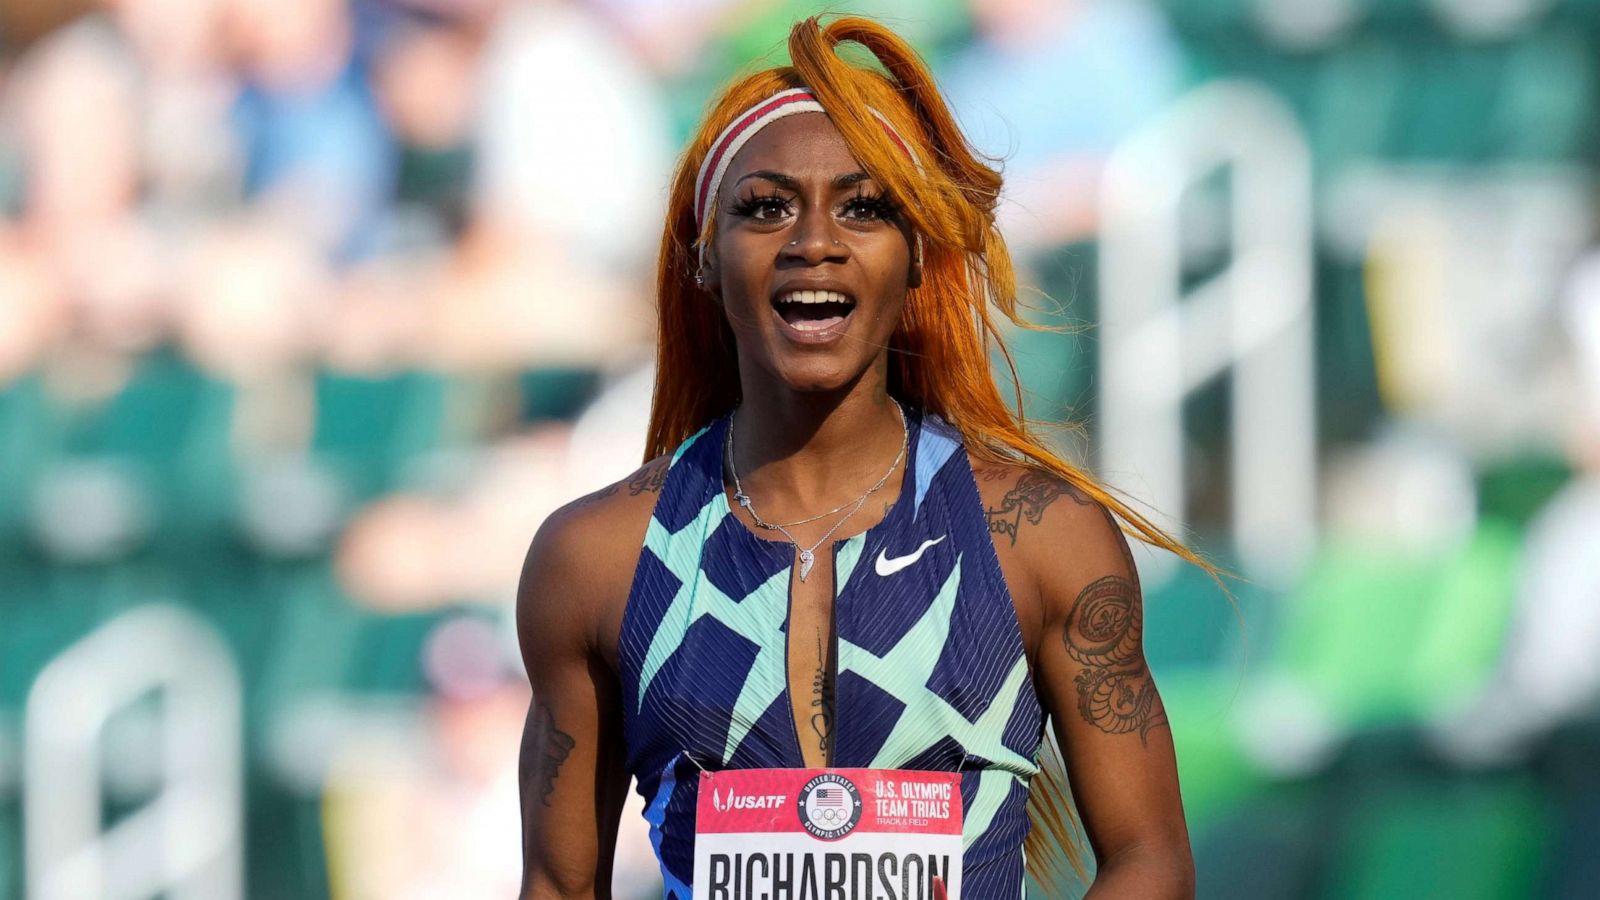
(887, 566)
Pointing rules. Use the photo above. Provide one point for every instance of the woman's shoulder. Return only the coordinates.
(606, 525)
(1046, 530)
(631, 497)
(1027, 504)
(581, 560)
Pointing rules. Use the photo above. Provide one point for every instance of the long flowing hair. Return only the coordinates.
(939, 354)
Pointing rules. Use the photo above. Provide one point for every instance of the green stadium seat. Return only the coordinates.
(1354, 103)
(557, 392)
(389, 657)
(1267, 848)
(45, 609)
(1547, 100)
(367, 429)
(1442, 837)
(1464, 632)
(1382, 638)
(1572, 781)
(24, 449)
(1514, 490)
(170, 428)
(315, 637)
(11, 847)
(762, 31)
(1216, 776)
(1453, 87)
(1234, 19)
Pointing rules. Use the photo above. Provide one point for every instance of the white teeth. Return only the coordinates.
(813, 297)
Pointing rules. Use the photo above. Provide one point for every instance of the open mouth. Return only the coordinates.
(813, 310)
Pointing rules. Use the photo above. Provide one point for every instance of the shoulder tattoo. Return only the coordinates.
(597, 496)
(1116, 692)
(1026, 501)
(650, 478)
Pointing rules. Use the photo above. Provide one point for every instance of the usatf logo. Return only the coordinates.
(744, 801)
(830, 806)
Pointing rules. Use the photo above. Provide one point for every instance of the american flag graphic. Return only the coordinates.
(829, 796)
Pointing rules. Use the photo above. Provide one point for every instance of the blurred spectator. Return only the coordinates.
(574, 141)
(510, 300)
(669, 36)
(191, 157)
(425, 76)
(1549, 673)
(1053, 86)
(77, 101)
(314, 144)
(77, 112)
(424, 815)
(251, 298)
(462, 541)
(376, 320)
(32, 313)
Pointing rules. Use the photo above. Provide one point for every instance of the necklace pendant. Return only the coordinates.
(806, 559)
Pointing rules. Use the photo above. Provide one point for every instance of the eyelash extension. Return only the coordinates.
(754, 202)
(879, 204)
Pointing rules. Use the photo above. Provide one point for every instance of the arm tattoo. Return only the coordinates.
(649, 479)
(548, 747)
(822, 700)
(989, 473)
(1027, 500)
(596, 496)
(1116, 692)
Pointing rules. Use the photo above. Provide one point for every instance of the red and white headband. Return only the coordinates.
(745, 125)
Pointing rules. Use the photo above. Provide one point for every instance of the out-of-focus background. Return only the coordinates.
(310, 311)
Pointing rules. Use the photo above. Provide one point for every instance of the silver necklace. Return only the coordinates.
(762, 523)
(808, 554)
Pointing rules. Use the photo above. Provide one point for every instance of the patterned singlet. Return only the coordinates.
(931, 669)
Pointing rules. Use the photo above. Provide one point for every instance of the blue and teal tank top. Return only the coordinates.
(931, 672)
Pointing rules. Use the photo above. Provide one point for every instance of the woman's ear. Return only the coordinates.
(914, 277)
(708, 276)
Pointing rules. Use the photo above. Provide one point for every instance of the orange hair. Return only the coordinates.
(939, 356)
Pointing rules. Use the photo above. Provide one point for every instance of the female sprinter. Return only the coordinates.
(845, 550)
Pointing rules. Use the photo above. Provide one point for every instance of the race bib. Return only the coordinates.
(822, 834)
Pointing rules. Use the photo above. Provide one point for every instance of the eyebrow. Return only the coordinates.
(788, 181)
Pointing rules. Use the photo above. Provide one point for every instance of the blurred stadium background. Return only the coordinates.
(310, 311)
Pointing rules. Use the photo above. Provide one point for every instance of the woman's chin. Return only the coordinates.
(815, 374)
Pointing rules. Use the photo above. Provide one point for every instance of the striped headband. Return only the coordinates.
(745, 125)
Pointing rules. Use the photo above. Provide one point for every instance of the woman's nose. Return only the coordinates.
(816, 241)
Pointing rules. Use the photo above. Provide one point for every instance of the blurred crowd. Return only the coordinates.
(337, 300)
(286, 199)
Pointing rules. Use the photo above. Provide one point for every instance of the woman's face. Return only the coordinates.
(810, 259)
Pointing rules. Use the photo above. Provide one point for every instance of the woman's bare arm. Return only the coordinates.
(1093, 680)
(571, 772)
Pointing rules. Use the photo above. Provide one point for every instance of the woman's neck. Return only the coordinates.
(798, 453)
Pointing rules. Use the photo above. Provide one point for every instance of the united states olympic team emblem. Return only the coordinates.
(829, 806)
